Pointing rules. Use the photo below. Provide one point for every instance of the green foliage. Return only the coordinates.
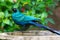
(36, 8)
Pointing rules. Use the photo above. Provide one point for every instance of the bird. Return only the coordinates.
(25, 21)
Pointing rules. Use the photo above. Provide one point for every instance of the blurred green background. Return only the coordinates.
(37, 8)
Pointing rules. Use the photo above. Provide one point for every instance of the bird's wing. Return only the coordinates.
(29, 18)
(18, 17)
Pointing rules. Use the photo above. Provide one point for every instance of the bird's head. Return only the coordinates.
(14, 9)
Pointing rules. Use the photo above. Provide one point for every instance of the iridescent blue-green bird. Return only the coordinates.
(24, 21)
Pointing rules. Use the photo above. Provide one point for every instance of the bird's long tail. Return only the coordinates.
(48, 28)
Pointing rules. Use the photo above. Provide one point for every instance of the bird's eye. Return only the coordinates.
(14, 10)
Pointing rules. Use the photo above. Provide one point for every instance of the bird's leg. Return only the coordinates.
(24, 27)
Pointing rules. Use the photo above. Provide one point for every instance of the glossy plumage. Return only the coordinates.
(21, 19)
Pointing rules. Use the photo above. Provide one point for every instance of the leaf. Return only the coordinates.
(15, 6)
(6, 21)
(1, 14)
(44, 15)
(33, 11)
(11, 1)
(38, 0)
(50, 12)
(41, 5)
(1, 0)
(33, 3)
(2, 24)
(51, 20)
(6, 13)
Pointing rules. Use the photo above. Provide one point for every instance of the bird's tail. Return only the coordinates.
(48, 28)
